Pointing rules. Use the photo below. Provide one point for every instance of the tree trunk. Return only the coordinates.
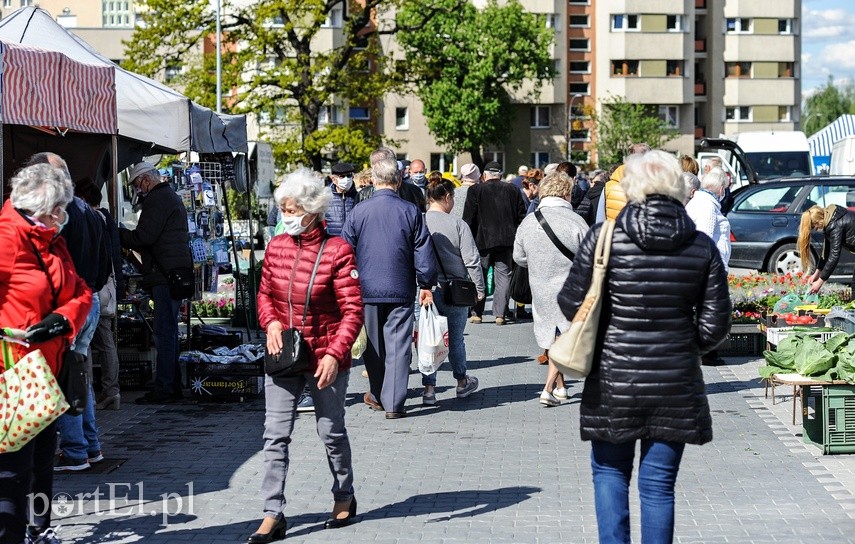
(477, 159)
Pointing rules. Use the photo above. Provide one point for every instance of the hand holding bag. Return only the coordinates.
(573, 351)
(433, 339)
(294, 357)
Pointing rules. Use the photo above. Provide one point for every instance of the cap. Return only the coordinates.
(141, 168)
(342, 168)
(493, 167)
(470, 172)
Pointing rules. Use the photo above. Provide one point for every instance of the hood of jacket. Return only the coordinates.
(659, 224)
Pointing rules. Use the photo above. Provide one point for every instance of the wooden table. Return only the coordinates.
(798, 382)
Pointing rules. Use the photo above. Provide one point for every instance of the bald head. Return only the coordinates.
(46, 157)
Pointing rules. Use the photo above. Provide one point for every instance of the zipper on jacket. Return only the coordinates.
(291, 284)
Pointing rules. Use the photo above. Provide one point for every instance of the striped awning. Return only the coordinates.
(821, 142)
(46, 88)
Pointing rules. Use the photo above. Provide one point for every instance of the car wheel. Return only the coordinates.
(785, 259)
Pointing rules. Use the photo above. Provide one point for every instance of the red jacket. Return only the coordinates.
(25, 295)
(335, 313)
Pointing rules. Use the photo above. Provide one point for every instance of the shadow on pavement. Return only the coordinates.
(501, 361)
(488, 397)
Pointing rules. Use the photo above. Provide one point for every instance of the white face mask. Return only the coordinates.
(293, 224)
(344, 184)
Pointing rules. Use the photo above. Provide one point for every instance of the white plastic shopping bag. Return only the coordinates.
(433, 340)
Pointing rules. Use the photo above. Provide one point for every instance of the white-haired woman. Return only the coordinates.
(42, 294)
(548, 267)
(330, 318)
(665, 303)
(705, 210)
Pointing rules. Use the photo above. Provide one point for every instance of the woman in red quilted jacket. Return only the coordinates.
(332, 323)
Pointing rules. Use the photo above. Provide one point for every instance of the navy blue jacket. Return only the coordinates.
(87, 243)
(393, 248)
(339, 209)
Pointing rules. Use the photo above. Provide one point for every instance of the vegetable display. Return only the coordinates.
(801, 352)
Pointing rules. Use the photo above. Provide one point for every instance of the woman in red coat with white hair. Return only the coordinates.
(331, 326)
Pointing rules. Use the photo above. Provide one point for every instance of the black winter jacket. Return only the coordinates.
(588, 207)
(87, 243)
(161, 235)
(666, 303)
(839, 233)
(493, 211)
(339, 209)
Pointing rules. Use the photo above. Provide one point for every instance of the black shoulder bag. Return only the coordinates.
(72, 378)
(456, 292)
(294, 357)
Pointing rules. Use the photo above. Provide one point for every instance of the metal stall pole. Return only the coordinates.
(239, 292)
(251, 272)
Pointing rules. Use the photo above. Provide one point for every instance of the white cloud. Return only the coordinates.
(839, 55)
(826, 24)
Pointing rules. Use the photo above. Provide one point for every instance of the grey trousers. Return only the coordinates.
(502, 259)
(281, 396)
(389, 328)
(103, 348)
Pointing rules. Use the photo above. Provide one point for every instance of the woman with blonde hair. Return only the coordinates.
(838, 228)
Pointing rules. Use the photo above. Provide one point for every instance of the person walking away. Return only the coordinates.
(587, 209)
(329, 313)
(646, 383)
(394, 255)
(29, 225)
(837, 225)
(615, 199)
(458, 258)
(470, 174)
(162, 238)
(549, 262)
(493, 211)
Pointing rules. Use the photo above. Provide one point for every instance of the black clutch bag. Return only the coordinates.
(74, 382)
(460, 293)
(293, 359)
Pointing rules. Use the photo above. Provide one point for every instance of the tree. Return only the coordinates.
(467, 63)
(274, 65)
(621, 124)
(826, 105)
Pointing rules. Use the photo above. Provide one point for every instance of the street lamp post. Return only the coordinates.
(219, 65)
(570, 125)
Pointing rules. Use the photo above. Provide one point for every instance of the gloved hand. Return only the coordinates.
(51, 326)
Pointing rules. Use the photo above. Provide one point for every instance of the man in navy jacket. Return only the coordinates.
(394, 255)
(344, 197)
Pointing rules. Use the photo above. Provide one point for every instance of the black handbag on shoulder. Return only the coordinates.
(294, 357)
(182, 283)
(456, 292)
(520, 288)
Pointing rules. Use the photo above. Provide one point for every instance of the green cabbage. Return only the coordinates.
(812, 358)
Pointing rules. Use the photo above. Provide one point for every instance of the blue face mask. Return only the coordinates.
(63, 223)
(418, 178)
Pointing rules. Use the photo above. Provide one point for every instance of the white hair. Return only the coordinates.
(382, 153)
(692, 182)
(715, 180)
(385, 173)
(40, 188)
(653, 173)
(307, 189)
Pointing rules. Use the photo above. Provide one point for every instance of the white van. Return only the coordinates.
(776, 154)
(843, 157)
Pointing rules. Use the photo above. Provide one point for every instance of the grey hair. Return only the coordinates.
(713, 162)
(653, 173)
(383, 153)
(715, 180)
(46, 157)
(40, 188)
(692, 182)
(556, 184)
(385, 172)
(639, 148)
(306, 188)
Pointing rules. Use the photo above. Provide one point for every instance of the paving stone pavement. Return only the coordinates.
(495, 467)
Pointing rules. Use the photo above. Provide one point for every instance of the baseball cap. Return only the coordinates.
(342, 168)
(141, 168)
(493, 167)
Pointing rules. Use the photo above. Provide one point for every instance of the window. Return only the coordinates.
(580, 134)
(7, 3)
(579, 88)
(172, 71)
(737, 69)
(359, 114)
(334, 18)
(579, 44)
(786, 69)
(738, 113)
(579, 21)
(539, 159)
(785, 113)
(785, 26)
(670, 115)
(826, 195)
(330, 115)
(25, 3)
(584, 2)
(624, 22)
(674, 68)
(674, 23)
(773, 199)
(402, 118)
(738, 25)
(539, 117)
(497, 156)
(625, 68)
(444, 162)
(580, 67)
(550, 20)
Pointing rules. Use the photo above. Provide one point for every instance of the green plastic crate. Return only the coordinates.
(828, 418)
(743, 344)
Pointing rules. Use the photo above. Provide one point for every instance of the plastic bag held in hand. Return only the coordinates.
(433, 340)
(51, 326)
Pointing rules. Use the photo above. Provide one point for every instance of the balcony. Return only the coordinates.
(700, 88)
(780, 92)
(700, 45)
(652, 90)
(700, 4)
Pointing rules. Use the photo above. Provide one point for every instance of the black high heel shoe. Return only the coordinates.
(334, 523)
(277, 533)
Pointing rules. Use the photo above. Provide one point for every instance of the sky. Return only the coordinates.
(828, 42)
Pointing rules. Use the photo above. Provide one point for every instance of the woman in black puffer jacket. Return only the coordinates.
(666, 303)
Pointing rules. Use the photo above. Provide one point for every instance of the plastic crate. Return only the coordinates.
(828, 418)
(224, 388)
(136, 368)
(743, 345)
(844, 324)
(133, 334)
(775, 335)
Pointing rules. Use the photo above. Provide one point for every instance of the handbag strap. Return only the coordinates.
(435, 252)
(604, 245)
(309, 289)
(551, 234)
(43, 266)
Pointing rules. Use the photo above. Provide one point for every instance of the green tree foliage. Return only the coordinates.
(621, 124)
(826, 105)
(467, 63)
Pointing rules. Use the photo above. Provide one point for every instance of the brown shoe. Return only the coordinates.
(542, 359)
(371, 403)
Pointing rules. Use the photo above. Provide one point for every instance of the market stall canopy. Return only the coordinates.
(217, 132)
(821, 142)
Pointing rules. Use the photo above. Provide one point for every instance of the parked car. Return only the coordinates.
(764, 221)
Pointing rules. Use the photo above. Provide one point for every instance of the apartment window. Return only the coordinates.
(497, 156)
(583, 2)
(334, 17)
(786, 69)
(674, 23)
(580, 134)
(579, 88)
(579, 21)
(539, 117)
(359, 113)
(25, 3)
(539, 159)
(330, 115)
(622, 22)
(674, 68)
(556, 66)
(738, 113)
(785, 26)
(738, 25)
(625, 68)
(172, 71)
(737, 69)
(551, 21)
(7, 3)
(580, 67)
(670, 115)
(402, 118)
(785, 113)
(579, 44)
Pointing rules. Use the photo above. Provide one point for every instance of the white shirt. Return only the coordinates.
(705, 210)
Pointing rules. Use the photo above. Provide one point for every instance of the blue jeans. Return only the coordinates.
(78, 435)
(168, 375)
(457, 317)
(657, 474)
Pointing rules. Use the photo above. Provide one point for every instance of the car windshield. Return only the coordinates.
(779, 164)
(769, 199)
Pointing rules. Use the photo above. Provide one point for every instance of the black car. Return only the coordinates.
(764, 221)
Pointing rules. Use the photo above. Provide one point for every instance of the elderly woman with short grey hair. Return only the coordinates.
(309, 282)
(43, 295)
(665, 303)
(548, 257)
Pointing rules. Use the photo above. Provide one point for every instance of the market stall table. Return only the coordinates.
(798, 382)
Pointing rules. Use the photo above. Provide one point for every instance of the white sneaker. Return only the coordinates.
(548, 399)
(560, 393)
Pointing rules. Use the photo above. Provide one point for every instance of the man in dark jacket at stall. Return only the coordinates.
(344, 197)
(393, 255)
(163, 241)
(407, 191)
